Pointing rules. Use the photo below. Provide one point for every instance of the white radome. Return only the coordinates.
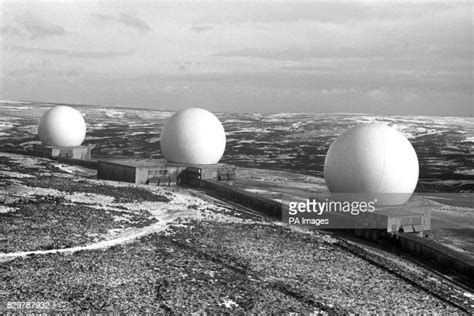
(62, 126)
(193, 136)
(372, 161)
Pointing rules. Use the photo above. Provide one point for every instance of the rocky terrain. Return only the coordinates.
(296, 142)
(165, 249)
(90, 245)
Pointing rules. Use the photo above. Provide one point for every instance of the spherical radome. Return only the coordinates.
(193, 136)
(372, 160)
(62, 126)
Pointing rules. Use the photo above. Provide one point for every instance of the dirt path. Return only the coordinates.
(124, 237)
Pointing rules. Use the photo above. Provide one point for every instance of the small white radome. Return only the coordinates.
(193, 136)
(62, 126)
(372, 160)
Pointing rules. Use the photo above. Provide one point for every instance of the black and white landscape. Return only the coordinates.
(284, 79)
(286, 141)
(200, 249)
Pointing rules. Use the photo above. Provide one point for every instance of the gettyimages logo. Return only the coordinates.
(322, 213)
(314, 206)
(329, 213)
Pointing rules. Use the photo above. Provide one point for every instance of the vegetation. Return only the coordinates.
(205, 266)
(230, 262)
(49, 222)
(152, 275)
(121, 194)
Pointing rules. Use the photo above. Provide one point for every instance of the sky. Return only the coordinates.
(380, 57)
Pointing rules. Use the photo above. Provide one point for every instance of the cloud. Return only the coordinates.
(431, 33)
(297, 54)
(134, 22)
(70, 53)
(175, 88)
(7, 30)
(340, 12)
(184, 66)
(380, 95)
(373, 50)
(42, 73)
(201, 28)
(37, 28)
(337, 91)
(125, 19)
(312, 68)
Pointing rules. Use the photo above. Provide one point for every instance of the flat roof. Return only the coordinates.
(65, 147)
(214, 165)
(139, 163)
(136, 163)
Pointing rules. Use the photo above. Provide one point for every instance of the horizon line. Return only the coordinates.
(129, 107)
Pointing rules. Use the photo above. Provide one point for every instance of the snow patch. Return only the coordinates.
(6, 209)
(13, 174)
(90, 198)
(228, 303)
(466, 172)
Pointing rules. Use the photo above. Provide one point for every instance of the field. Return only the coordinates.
(214, 267)
(158, 249)
(92, 245)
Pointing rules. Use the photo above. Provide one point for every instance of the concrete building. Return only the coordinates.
(54, 152)
(77, 152)
(154, 171)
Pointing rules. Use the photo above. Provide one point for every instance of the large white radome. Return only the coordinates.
(193, 136)
(372, 160)
(62, 126)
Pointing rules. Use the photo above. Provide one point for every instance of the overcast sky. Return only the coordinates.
(359, 56)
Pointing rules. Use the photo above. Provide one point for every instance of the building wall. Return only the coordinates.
(56, 152)
(79, 152)
(141, 175)
(411, 243)
(109, 171)
(161, 175)
(435, 252)
(88, 163)
(262, 204)
(175, 171)
(211, 172)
